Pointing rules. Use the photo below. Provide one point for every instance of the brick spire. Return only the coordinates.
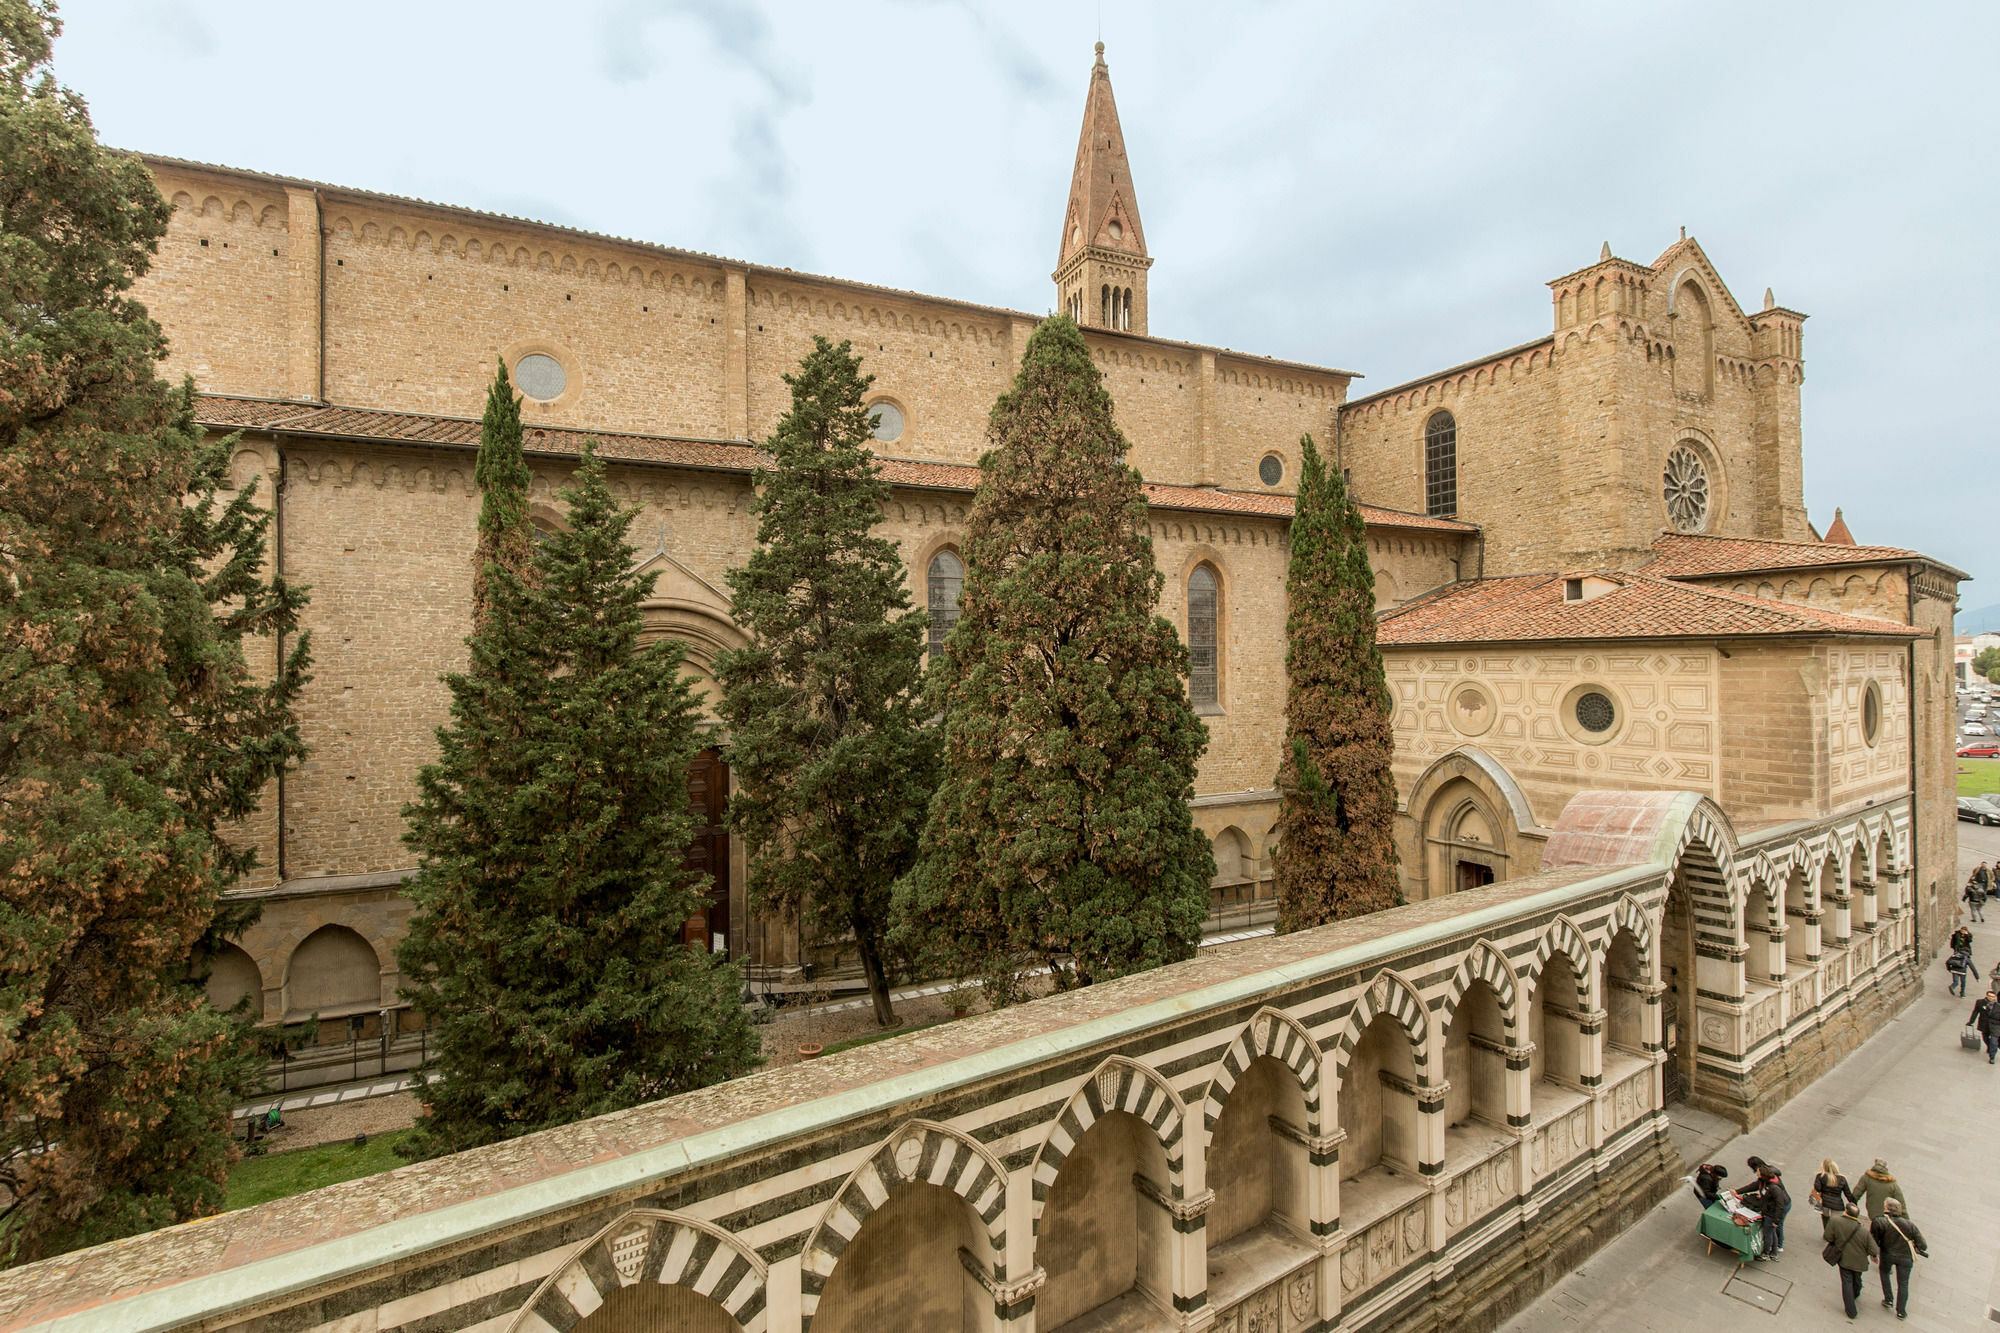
(1102, 212)
(1838, 535)
(1101, 264)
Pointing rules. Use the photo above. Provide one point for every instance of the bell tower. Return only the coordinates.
(1101, 265)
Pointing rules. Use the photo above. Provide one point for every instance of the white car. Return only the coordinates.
(1974, 729)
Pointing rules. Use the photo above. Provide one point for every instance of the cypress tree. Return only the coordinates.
(505, 536)
(1059, 834)
(134, 734)
(550, 834)
(1335, 855)
(833, 762)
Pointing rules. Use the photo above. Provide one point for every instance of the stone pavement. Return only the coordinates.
(1911, 1095)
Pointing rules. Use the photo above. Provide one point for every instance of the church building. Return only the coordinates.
(1593, 560)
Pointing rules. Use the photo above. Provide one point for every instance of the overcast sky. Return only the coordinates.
(1384, 188)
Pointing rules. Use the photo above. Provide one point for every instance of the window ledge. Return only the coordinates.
(1210, 710)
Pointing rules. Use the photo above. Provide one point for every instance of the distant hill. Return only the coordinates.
(1980, 621)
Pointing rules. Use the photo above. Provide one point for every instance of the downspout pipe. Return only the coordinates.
(1916, 805)
(278, 569)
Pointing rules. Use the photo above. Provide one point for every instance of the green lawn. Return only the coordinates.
(1978, 777)
(260, 1179)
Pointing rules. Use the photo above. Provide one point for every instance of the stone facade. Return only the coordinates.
(351, 337)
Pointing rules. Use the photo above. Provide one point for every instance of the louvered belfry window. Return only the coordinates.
(1201, 637)
(1441, 466)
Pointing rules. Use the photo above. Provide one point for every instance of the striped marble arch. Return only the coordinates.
(1390, 993)
(1118, 1084)
(920, 1152)
(646, 1245)
(1277, 1034)
(1486, 963)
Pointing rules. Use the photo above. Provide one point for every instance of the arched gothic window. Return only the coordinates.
(1104, 305)
(1201, 637)
(947, 580)
(1441, 466)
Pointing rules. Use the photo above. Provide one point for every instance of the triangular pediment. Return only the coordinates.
(677, 584)
(1685, 256)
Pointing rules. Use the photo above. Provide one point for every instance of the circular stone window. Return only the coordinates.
(1272, 470)
(1685, 487)
(1595, 712)
(1591, 714)
(540, 376)
(1871, 713)
(1116, 229)
(885, 421)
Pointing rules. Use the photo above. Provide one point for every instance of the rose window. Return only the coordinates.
(1686, 490)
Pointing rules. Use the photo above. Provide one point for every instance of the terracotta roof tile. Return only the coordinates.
(1688, 556)
(1530, 607)
(368, 424)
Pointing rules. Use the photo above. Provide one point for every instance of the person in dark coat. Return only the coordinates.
(1708, 1182)
(1961, 939)
(1960, 968)
(1830, 1190)
(1853, 1248)
(1900, 1243)
(1986, 1017)
(1768, 1195)
(1975, 894)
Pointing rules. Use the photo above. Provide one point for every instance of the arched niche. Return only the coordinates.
(1257, 1155)
(232, 977)
(1107, 1232)
(1476, 1045)
(333, 971)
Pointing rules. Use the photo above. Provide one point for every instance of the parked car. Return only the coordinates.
(1978, 809)
(1974, 729)
(1980, 750)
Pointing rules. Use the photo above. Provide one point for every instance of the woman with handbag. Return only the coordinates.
(1830, 1190)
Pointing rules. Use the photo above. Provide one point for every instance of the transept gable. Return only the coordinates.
(1685, 257)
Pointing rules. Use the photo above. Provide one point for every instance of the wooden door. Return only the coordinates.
(708, 850)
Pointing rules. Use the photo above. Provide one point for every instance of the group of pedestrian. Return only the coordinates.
(1889, 1237)
(1765, 1195)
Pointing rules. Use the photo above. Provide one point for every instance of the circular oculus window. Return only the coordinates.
(1595, 712)
(1685, 488)
(1117, 231)
(885, 421)
(1271, 470)
(540, 376)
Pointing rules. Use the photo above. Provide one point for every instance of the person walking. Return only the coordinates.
(1975, 893)
(1877, 1187)
(1961, 939)
(1986, 1017)
(1830, 1191)
(1849, 1247)
(1897, 1237)
(1960, 967)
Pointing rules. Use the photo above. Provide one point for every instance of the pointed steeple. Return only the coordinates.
(1101, 262)
(1838, 535)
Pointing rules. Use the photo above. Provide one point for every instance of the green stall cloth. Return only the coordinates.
(1722, 1229)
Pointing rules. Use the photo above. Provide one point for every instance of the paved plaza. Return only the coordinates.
(1910, 1095)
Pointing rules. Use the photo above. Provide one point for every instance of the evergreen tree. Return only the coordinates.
(1335, 855)
(1059, 834)
(134, 735)
(833, 762)
(506, 538)
(550, 833)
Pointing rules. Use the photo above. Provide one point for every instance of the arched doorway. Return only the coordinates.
(708, 851)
